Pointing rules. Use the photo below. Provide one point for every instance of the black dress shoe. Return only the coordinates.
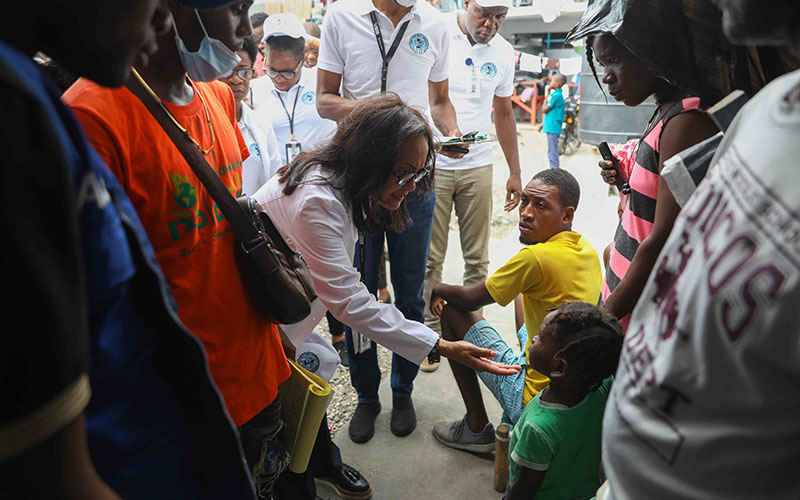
(348, 483)
(362, 425)
(404, 419)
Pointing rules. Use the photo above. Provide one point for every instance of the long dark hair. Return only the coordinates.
(360, 157)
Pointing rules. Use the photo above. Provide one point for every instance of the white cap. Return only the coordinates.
(494, 3)
(284, 24)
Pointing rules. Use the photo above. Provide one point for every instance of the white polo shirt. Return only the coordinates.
(264, 160)
(349, 47)
(310, 129)
(493, 65)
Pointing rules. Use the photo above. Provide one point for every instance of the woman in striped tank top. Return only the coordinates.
(650, 209)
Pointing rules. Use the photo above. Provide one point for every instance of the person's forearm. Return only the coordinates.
(622, 301)
(334, 107)
(506, 128)
(462, 297)
(444, 116)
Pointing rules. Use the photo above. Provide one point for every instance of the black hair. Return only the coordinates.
(590, 342)
(664, 91)
(361, 156)
(257, 19)
(297, 46)
(250, 45)
(569, 191)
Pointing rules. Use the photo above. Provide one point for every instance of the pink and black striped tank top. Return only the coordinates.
(640, 209)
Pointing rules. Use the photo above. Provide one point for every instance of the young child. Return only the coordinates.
(555, 446)
(554, 117)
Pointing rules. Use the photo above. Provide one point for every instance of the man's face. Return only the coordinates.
(101, 40)
(229, 25)
(762, 22)
(482, 23)
(540, 213)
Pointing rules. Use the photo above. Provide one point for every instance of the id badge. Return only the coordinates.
(292, 150)
(474, 87)
(361, 344)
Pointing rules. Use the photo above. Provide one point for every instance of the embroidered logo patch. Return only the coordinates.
(489, 70)
(255, 151)
(309, 361)
(418, 43)
(309, 97)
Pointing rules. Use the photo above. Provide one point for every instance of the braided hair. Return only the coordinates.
(591, 342)
(590, 60)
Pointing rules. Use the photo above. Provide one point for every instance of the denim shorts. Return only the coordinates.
(507, 389)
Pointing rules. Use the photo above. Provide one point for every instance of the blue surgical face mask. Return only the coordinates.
(212, 60)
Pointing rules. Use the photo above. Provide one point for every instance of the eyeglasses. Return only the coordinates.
(243, 74)
(404, 179)
(286, 75)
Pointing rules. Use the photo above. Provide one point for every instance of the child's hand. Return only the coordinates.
(437, 304)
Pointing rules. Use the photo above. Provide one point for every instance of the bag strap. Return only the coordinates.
(242, 224)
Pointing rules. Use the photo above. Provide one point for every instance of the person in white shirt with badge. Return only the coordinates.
(481, 78)
(369, 47)
(288, 97)
(264, 159)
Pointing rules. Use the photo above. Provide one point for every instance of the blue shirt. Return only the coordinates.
(555, 117)
(156, 424)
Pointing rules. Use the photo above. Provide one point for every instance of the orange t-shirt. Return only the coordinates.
(193, 241)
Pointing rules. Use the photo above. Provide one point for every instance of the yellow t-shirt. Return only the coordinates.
(565, 268)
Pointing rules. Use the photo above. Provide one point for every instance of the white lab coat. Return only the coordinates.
(320, 226)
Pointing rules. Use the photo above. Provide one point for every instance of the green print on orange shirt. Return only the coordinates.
(185, 196)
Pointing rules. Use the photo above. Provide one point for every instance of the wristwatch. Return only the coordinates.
(434, 356)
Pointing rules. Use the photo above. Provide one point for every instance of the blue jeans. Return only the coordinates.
(408, 254)
(552, 149)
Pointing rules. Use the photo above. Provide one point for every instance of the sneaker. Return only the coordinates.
(404, 418)
(348, 483)
(362, 425)
(428, 367)
(341, 348)
(457, 435)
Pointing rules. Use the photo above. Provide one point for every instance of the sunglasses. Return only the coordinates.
(417, 176)
(286, 75)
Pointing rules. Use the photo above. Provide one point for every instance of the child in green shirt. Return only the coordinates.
(555, 446)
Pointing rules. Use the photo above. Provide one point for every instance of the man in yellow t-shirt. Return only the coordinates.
(557, 265)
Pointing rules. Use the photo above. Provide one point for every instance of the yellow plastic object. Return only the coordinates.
(304, 399)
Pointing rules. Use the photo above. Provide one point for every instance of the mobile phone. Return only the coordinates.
(605, 152)
(452, 148)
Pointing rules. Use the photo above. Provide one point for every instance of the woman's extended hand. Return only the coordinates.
(607, 172)
(475, 357)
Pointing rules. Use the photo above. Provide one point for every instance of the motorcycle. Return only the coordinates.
(568, 141)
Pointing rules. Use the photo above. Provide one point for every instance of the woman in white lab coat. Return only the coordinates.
(325, 197)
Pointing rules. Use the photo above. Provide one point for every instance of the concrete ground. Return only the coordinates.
(417, 466)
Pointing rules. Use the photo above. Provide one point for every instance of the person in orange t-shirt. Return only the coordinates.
(193, 241)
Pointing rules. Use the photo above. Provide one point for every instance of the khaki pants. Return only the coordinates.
(470, 191)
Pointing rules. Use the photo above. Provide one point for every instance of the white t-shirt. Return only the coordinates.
(706, 401)
(310, 129)
(348, 47)
(493, 66)
(264, 159)
(319, 224)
